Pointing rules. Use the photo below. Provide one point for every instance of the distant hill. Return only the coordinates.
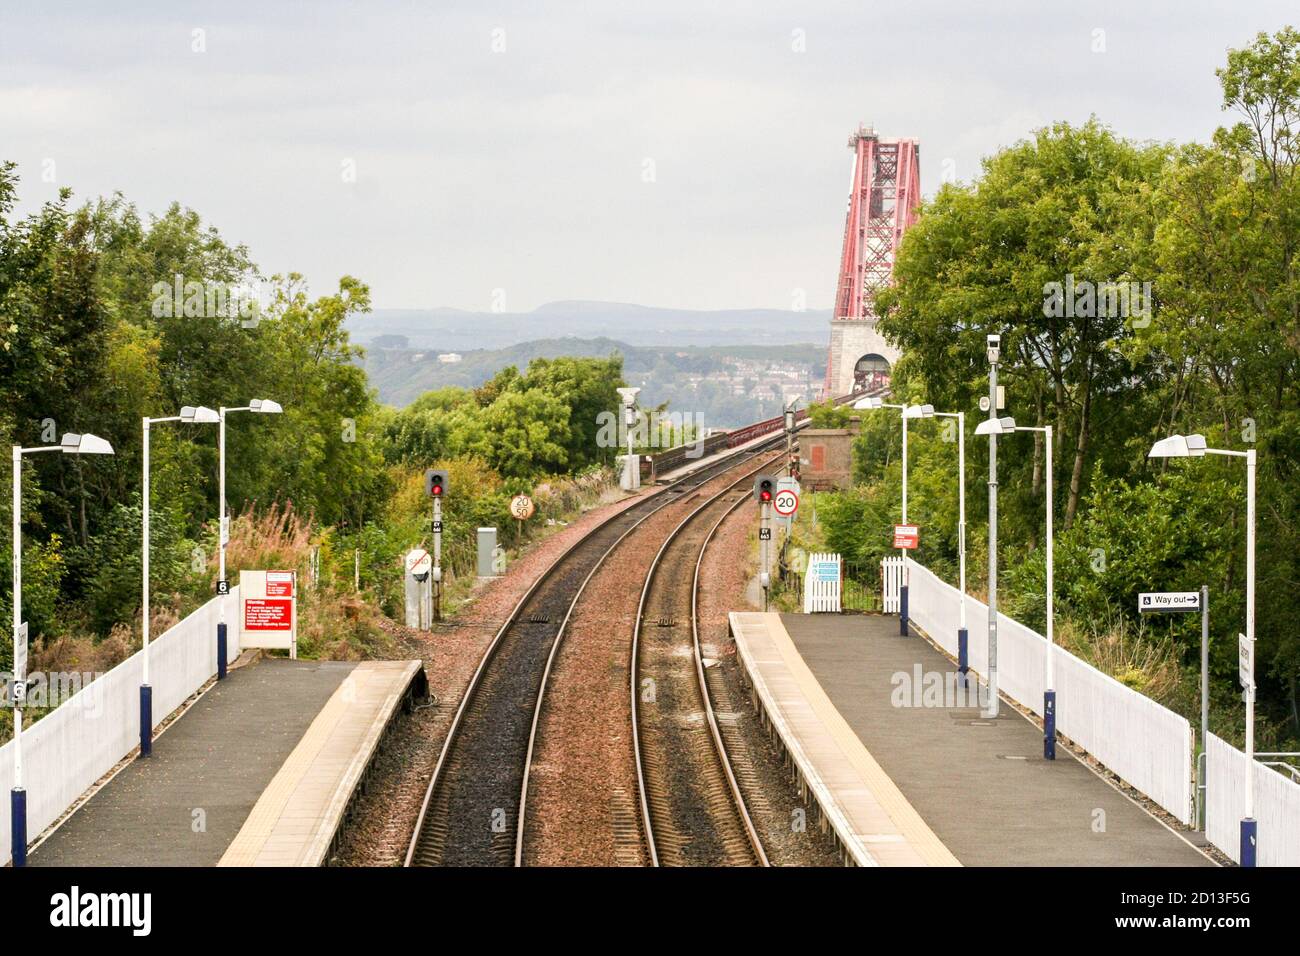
(455, 330)
(727, 384)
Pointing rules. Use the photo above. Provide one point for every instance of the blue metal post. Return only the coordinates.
(221, 651)
(1049, 725)
(146, 720)
(963, 656)
(902, 610)
(18, 825)
(1248, 842)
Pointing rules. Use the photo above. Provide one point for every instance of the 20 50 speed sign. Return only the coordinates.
(786, 503)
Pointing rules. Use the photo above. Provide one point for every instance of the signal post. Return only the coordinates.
(435, 486)
(764, 489)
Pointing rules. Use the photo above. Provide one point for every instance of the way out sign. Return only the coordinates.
(268, 610)
(1169, 602)
(907, 536)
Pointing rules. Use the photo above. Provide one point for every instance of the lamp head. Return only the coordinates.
(200, 415)
(1179, 446)
(995, 426)
(872, 401)
(918, 411)
(265, 406)
(74, 444)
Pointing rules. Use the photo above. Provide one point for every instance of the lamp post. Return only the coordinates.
(1005, 426)
(963, 649)
(1194, 446)
(72, 444)
(788, 416)
(873, 402)
(194, 416)
(266, 407)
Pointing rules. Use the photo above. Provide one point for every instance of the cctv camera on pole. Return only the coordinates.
(994, 344)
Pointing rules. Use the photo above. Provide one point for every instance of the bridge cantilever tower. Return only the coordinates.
(883, 198)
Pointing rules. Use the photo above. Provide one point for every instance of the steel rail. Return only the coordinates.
(738, 800)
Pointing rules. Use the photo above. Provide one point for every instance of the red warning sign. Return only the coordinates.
(268, 614)
(906, 536)
(279, 584)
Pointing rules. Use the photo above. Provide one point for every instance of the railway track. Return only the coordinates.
(470, 814)
(689, 759)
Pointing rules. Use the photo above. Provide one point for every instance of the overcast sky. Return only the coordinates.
(441, 151)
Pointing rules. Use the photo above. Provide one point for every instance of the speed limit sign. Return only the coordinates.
(521, 507)
(786, 503)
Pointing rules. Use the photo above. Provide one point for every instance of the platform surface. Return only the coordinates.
(187, 803)
(876, 824)
(294, 821)
(982, 786)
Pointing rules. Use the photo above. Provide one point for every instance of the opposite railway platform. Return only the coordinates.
(258, 771)
(904, 781)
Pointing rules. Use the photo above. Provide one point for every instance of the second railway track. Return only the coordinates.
(693, 808)
(470, 815)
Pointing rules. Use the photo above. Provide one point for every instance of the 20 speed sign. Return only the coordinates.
(786, 503)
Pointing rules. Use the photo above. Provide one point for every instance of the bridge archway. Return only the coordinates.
(871, 371)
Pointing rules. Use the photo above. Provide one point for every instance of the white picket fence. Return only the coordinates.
(822, 583)
(67, 750)
(1147, 745)
(891, 584)
(1277, 807)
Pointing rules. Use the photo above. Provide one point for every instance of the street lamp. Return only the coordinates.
(72, 444)
(192, 416)
(1194, 446)
(872, 402)
(262, 406)
(1004, 426)
(963, 653)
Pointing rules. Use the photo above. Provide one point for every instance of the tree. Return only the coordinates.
(1040, 250)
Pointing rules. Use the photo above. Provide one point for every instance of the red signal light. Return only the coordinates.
(437, 490)
(767, 496)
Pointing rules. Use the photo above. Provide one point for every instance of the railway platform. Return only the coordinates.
(259, 770)
(896, 773)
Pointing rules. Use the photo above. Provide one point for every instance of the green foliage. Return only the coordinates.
(112, 563)
(544, 421)
(1212, 228)
(829, 415)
